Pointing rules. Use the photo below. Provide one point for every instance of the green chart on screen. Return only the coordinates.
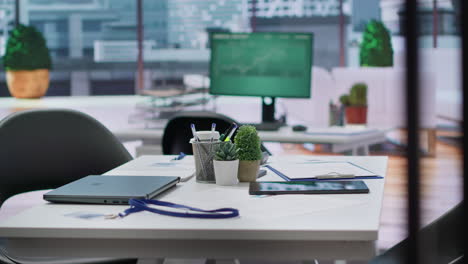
(261, 64)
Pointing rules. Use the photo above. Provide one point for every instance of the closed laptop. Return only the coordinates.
(97, 189)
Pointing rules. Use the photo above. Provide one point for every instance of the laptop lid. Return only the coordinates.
(97, 189)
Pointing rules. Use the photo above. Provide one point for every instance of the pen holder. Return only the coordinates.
(203, 153)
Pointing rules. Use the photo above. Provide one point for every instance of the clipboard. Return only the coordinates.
(326, 172)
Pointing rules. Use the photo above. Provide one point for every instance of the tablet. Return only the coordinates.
(308, 187)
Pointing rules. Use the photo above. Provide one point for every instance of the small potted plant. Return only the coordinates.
(27, 63)
(226, 164)
(355, 104)
(376, 49)
(248, 144)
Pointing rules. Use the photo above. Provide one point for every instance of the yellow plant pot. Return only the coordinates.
(28, 84)
(248, 170)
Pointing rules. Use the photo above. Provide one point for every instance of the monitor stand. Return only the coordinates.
(268, 116)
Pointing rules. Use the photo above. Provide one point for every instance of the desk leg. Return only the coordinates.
(360, 151)
(431, 141)
(364, 150)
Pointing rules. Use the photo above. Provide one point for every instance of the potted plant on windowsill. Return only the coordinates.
(376, 48)
(27, 63)
(248, 143)
(226, 164)
(355, 104)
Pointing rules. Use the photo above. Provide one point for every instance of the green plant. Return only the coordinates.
(344, 99)
(356, 97)
(26, 50)
(248, 143)
(376, 47)
(226, 152)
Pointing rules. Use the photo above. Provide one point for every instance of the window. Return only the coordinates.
(92, 25)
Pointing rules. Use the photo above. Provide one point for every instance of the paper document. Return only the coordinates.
(158, 166)
(310, 170)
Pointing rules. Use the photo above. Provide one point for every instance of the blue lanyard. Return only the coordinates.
(138, 205)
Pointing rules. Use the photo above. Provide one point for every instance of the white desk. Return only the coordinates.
(357, 144)
(294, 227)
(114, 111)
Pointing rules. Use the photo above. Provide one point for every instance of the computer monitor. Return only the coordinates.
(267, 65)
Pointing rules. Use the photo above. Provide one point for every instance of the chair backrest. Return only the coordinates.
(177, 133)
(42, 149)
(441, 241)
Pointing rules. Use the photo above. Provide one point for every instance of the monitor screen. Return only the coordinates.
(261, 64)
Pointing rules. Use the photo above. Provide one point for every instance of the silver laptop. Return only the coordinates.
(97, 189)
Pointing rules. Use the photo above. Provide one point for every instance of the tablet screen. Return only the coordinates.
(308, 187)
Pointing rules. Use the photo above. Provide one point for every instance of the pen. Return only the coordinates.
(231, 133)
(194, 132)
(213, 127)
(335, 176)
(223, 135)
(181, 156)
(261, 173)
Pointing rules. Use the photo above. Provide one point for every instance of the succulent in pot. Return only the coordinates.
(226, 164)
(355, 104)
(226, 152)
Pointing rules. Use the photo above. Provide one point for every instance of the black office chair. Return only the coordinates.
(177, 132)
(44, 149)
(443, 238)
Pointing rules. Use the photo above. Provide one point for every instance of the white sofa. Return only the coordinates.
(313, 111)
(386, 98)
(386, 94)
(445, 64)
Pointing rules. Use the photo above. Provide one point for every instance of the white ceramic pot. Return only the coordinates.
(226, 172)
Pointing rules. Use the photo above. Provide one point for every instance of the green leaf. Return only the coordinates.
(26, 50)
(226, 151)
(376, 47)
(248, 143)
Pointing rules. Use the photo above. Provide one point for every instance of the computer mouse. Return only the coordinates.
(298, 128)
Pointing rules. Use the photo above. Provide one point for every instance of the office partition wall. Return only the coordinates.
(416, 246)
(464, 32)
(412, 124)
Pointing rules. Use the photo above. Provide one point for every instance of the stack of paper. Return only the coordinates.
(311, 170)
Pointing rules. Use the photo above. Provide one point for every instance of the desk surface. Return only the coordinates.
(314, 223)
(114, 112)
(284, 134)
(340, 142)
